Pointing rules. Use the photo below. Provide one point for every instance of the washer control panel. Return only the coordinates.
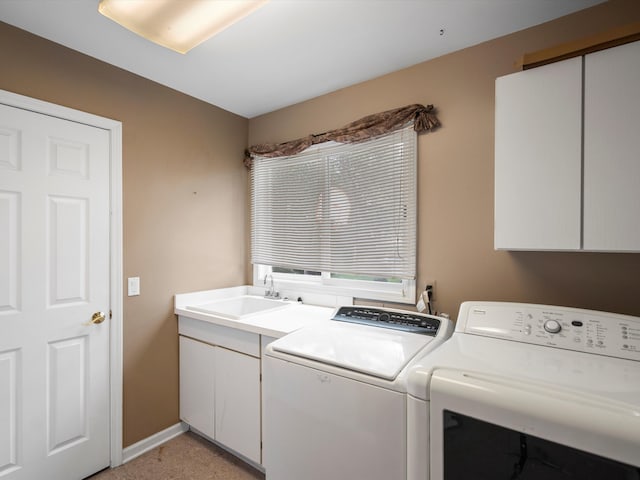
(561, 327)
(388, 318)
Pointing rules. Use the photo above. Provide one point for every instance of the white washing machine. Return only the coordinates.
(334, 395)
(524, 391)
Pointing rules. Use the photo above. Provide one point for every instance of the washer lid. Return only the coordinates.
(379, 352)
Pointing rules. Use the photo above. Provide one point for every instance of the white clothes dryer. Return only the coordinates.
(334, 395)
(524, 391)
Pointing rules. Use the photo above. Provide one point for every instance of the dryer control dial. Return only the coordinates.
(552, 326)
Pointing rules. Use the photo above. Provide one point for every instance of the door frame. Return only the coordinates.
(115, 243)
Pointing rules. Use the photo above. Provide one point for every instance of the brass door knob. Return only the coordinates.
(96, 318)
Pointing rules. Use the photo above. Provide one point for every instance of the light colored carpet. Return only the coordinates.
(186, 457)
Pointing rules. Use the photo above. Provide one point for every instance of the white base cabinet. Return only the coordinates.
(197, 388)
(567, 154)
(237, 402)
(220, 385)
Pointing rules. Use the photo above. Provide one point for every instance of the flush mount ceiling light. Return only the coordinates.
(177, 24)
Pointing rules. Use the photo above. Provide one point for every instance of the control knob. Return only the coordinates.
(552, 326)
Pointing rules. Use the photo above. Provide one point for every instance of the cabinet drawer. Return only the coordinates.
(231, 338)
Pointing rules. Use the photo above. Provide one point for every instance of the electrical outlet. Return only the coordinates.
(432, 285)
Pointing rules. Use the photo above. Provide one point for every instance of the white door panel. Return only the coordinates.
(54, 274)
(8, 413)
(67, 393)
(611, 146)
(9, 258)
(197, 385)
(538, 131)
(237, 402)
(9, 142)
(67, 218)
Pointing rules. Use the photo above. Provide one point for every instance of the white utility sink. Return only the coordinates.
(240, 307)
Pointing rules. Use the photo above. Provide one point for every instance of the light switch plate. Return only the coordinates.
(133, 285)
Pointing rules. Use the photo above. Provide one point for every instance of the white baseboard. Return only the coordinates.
(149, 443)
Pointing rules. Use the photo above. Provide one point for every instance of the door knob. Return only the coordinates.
(96, 318)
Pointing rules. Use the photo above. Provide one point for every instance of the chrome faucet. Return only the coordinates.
(271, 291)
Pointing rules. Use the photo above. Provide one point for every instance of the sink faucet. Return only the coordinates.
(271, 291)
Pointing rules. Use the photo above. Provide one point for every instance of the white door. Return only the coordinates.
(54, 274)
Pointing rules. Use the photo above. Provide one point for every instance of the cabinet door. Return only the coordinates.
(197, 361)
(237, 395)
(538, 141)
(612, 149)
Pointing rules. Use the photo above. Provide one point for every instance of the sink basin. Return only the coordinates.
(239, 307)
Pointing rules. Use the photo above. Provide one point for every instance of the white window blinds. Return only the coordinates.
(339, 208)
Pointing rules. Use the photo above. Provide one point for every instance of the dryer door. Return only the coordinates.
(489, 427)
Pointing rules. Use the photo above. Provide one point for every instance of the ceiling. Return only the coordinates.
(289, 51)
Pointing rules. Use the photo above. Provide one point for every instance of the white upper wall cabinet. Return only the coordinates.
(538, 135)
(567, 154)
(612, 149)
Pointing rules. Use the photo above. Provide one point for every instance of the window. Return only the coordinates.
(340, 218)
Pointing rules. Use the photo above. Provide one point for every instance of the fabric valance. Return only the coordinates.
(423, 119)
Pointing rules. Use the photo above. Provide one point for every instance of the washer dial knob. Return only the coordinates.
(552, 326)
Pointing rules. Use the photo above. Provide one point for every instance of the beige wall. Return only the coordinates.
(456, 173)
(184, 203)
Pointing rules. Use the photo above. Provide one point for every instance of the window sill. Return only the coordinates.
(400, 294)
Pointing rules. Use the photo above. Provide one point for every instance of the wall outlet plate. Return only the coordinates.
(133, 286)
